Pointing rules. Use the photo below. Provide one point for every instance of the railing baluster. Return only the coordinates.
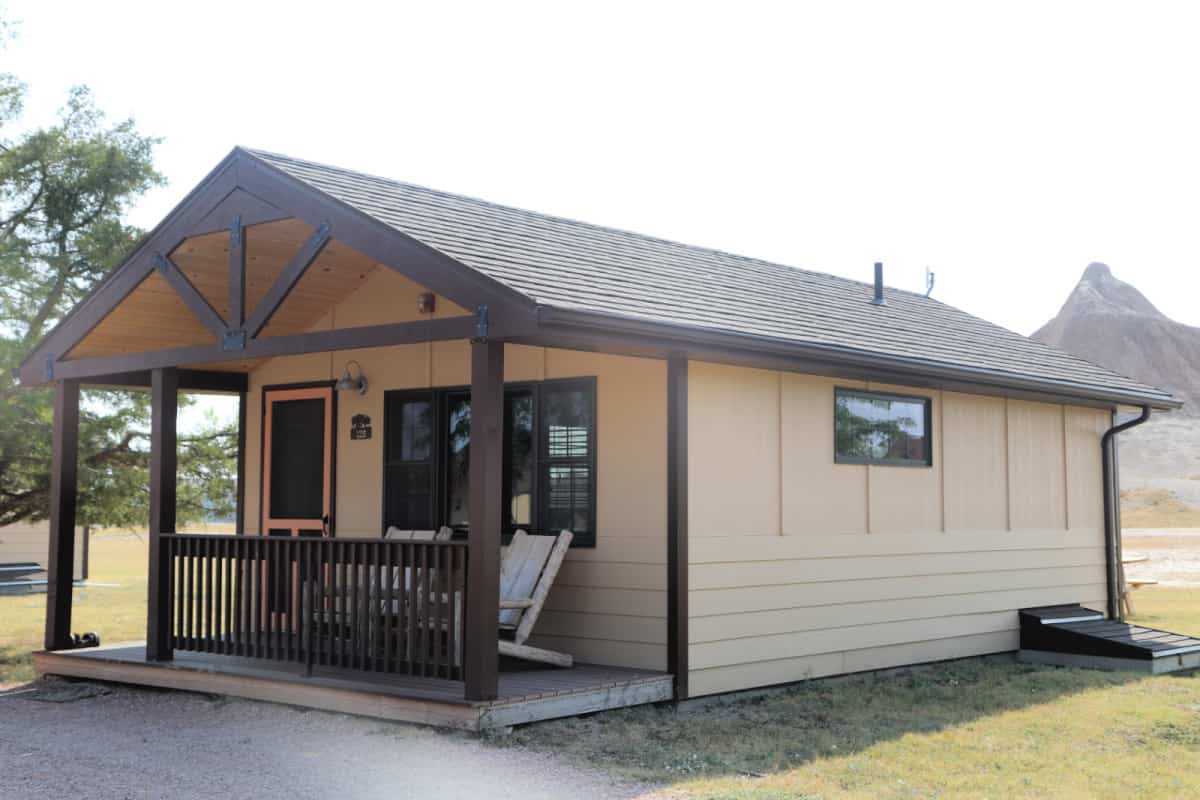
(206, 548)
(239, 576)
(389, 613)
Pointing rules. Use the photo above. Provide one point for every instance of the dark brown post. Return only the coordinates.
(164, 404)
(237, 274)
(240, 517)
(64, 471)
(482, 658)
(677, 524)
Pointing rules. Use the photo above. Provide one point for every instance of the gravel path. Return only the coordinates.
(135, 743)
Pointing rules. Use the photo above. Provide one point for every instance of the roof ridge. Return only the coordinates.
(580, 223)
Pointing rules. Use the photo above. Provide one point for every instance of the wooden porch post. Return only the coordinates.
(240, 514)
(64, 471)
(677, 524)
(164, 404)
(481, 663)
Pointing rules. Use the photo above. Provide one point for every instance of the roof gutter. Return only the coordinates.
(686, 338)
(1112, 508)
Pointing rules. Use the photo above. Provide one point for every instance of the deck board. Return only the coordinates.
(525, 695)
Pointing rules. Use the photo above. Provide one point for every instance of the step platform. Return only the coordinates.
(1075, 636)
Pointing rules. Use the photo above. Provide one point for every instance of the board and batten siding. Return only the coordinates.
(608, 605)
(800, 567)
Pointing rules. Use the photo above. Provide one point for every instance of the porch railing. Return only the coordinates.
(363, 604)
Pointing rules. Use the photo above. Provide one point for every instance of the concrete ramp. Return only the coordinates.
(1074, 636)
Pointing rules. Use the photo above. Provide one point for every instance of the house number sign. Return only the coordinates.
(360, 427)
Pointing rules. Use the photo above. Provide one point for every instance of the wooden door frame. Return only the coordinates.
(262, 445)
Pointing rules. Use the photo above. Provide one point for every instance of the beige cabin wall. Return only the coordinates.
(608, 605)
(872, 567)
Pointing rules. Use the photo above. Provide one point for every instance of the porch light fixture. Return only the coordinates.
(347, 383)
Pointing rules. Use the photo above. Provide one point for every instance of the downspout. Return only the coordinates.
(1112, 558)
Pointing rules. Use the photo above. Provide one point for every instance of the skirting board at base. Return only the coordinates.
(1157, 666)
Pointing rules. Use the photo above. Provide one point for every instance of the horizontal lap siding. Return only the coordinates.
(799, 567)
(608, 605)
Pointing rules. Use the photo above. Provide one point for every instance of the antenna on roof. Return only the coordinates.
(929, 276)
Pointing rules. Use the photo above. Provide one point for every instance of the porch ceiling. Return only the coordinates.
(155, 317)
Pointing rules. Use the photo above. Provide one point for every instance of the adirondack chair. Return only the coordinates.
(528, 567)
(402, 578)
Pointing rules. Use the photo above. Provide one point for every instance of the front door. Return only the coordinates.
(297, 461)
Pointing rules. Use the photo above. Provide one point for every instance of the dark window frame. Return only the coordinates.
(440, 398)
(927, 404)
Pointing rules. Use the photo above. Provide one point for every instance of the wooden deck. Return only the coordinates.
(526, 695)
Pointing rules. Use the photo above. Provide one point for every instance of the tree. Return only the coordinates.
(64, 194)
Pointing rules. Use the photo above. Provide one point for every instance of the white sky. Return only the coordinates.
(1003, 147)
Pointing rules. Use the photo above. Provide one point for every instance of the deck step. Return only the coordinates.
(1072, 635)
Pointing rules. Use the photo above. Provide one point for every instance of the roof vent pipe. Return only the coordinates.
(878, 299)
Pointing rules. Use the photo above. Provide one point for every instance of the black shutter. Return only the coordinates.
(409, 450)
(567, 451)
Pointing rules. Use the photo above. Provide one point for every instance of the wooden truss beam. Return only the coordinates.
(433, 330)
(191, 296)
(237, 273)
(287, 280)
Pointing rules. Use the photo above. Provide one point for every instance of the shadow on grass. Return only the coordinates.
(785, 728)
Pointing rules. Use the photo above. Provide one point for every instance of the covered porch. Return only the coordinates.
(252, 269)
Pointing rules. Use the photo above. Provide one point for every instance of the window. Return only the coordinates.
(549, 458)
(879, 428)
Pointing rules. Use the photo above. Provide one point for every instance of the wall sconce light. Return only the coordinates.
(425, 303)
(347, 383)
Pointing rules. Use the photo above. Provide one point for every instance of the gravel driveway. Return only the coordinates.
(135, 743)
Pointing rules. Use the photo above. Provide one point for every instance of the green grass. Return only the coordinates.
(116, 613)
(974, 728)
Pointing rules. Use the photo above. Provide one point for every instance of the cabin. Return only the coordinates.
(768, 474)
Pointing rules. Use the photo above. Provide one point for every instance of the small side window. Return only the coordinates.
(880, 428)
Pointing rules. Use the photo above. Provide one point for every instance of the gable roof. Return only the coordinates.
(617, 277)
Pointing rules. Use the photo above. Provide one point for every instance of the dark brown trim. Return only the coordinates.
(677, 524)
(190, 380)
(252, 210)
(164, 410)
(432, 330)
(927, 421)
(482, 659)
(64, 473)
(240, 515)
(237, 273)
(195, 301)
(613, 333)
(287, 280)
